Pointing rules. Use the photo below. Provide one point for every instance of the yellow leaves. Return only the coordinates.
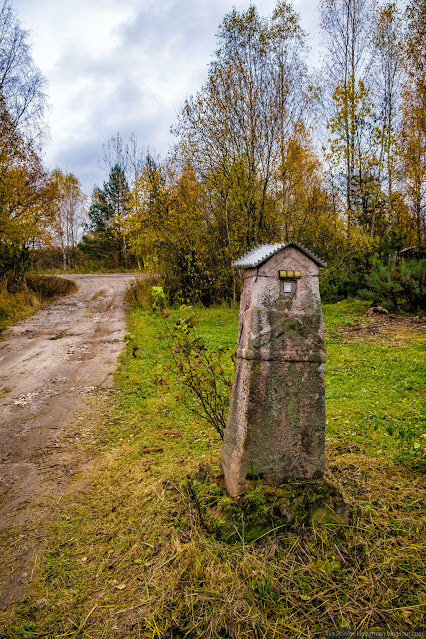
(24, 193)
(353, 107)
(413, 145)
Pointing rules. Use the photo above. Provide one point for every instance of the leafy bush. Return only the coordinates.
(340, 284)
(409, 435)
(140, 294)
(346, 275)
(202, 372)
(351, 265)
(412, 444)
(159, 299)
(398, 286)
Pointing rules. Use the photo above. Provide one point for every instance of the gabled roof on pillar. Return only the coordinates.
(261, 254)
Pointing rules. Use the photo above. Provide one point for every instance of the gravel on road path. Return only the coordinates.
(54, 367)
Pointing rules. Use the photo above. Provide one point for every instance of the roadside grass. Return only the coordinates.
(86, 269)
(130, 558)
(21, 299)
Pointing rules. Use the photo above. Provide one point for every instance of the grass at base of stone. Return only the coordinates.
(130, 557)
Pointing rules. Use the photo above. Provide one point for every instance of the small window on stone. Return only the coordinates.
(287, 287)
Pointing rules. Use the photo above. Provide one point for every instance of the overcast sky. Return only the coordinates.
(124, 66)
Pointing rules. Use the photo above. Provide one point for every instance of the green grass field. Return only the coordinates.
(129, 557)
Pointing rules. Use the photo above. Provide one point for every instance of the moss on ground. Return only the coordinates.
(263, 509)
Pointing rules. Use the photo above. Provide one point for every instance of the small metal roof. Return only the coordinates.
(260, 254)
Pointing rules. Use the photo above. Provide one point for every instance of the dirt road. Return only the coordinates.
(54, 366)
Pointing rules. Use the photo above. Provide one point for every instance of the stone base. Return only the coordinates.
(264, 508)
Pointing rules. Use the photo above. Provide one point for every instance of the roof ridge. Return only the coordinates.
(307, 251)
(259, 254)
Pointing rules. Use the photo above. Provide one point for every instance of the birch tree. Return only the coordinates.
(388, 70)
(235, 130)
(21, 82)
(69, 213)
(346, 25)
(413, 134)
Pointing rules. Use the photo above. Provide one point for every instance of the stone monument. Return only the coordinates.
(276, 422)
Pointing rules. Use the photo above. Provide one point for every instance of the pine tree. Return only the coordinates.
(108, 214)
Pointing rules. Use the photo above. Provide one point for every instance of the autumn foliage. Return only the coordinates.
(267, 151)
(38, 209)
(24, 198)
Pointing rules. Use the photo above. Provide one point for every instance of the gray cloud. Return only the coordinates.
(126, 68)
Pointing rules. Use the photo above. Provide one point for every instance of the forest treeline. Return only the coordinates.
(271, 149)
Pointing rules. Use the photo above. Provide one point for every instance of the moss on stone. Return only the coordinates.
(263, 508)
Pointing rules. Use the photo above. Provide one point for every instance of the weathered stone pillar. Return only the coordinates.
(276, 421)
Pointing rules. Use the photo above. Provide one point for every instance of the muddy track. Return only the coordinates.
(55, 367)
